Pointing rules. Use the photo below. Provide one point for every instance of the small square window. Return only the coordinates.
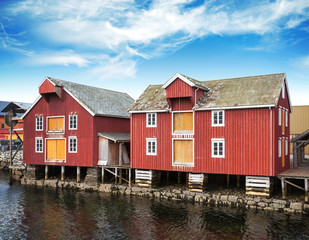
(39, 123)
(72, 144)
(151, 119)
(39, 145)
(73, 122)
(151, 146)
(218, 148)
(217, 118)
(2, 126)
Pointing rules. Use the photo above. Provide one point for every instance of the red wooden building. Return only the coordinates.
(62, 126)
(236, 126)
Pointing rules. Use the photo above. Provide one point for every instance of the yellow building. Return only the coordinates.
(299, 122)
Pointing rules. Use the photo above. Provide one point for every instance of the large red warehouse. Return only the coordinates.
(234, 126)
(62, 126)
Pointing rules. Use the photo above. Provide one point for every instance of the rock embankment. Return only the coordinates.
(210, 199)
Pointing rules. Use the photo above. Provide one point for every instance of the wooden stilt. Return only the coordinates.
(306, 189)
(46, 172)
(283, 186)
(62, 173)
(130, 181)
(228, 180)
(238, 181)
(167, 177)
(78, 174)
(120, 176)
(116, 173)
(102, 175)
(179, 178)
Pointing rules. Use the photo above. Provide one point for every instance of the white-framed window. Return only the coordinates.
(279, 116)
(286, 117)
(39, 123)
(217, 118)
(72, 145)
(38, 145)
(151, 119)
(279, 148)
(283, 90)
(2, 126)
(218, 147)
(73, 122)
(286, 146)
(151, 146)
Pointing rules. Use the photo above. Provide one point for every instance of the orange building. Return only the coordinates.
(5, 129)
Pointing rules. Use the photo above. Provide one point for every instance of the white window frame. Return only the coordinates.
(213, 124)
(182, 164)
(217, 140)
(152, 124)
(36, 123)
(279, 148)
(286, 117)
(152, 140)
(279, 116)
(286, 146)
(36, 144)
(55, 131)
(70, 116)
(283, 90)
(69, 145)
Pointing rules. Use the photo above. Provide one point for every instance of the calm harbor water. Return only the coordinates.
(43, 213)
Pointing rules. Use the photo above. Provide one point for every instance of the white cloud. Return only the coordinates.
(65, 58)
(123, 29)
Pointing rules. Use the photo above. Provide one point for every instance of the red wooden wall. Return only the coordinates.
(46, 87)
(247, 143)
(87, 130)
(179, 88)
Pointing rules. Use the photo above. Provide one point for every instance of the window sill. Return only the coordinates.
(188, 132)
(176, 164)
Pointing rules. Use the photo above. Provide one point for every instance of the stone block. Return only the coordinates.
(233, 199)
(262, 204)
(224, 198)
(251, 203)
(296, 206)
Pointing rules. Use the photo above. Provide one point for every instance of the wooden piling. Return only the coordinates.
(62, 173)
(167, 177)
(179, 178)
(228, 180)
(238, 181)
(116, 173)
(306, 189)
(283, 186)
(102, 174)
(130, 181)
(78, 174)
(46, 172)
(120, 176)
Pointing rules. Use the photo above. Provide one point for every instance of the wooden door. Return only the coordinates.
(55, 149)
(183, 152)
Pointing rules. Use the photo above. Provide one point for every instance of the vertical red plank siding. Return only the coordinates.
(107, 124)
(179, 88)
(247, 143)
(46, 87)
(282, 102)
(181, 104)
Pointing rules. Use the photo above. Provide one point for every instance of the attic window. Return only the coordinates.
(151, 119)
(217, 118)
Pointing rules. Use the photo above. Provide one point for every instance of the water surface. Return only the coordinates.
(28, 212)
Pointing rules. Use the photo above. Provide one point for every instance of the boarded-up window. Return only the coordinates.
(183, 152)
(183, 122)
(283, 122)
(55, 124)
(55, 150)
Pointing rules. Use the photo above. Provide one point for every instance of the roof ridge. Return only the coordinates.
(51, 78)
(244, 77)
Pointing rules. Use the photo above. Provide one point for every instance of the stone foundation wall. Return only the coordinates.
(182, 195)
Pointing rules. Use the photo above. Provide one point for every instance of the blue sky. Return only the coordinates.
(126, 45)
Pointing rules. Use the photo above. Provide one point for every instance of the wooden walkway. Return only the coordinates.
(296, 173)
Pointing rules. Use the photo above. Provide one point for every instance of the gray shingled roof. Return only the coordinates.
(224, 93)
(101, 102)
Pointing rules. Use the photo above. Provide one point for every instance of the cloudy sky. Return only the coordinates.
(126, 45)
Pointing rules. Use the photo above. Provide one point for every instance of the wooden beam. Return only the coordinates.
(238, 181)
(130, 181)
(46, 172)
(62, 173)
(283, 186)
(78, 174)
(116, 174)
(306, 190)
(295, 185)
(102, 175)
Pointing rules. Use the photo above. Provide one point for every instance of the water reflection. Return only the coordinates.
(42, 213)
